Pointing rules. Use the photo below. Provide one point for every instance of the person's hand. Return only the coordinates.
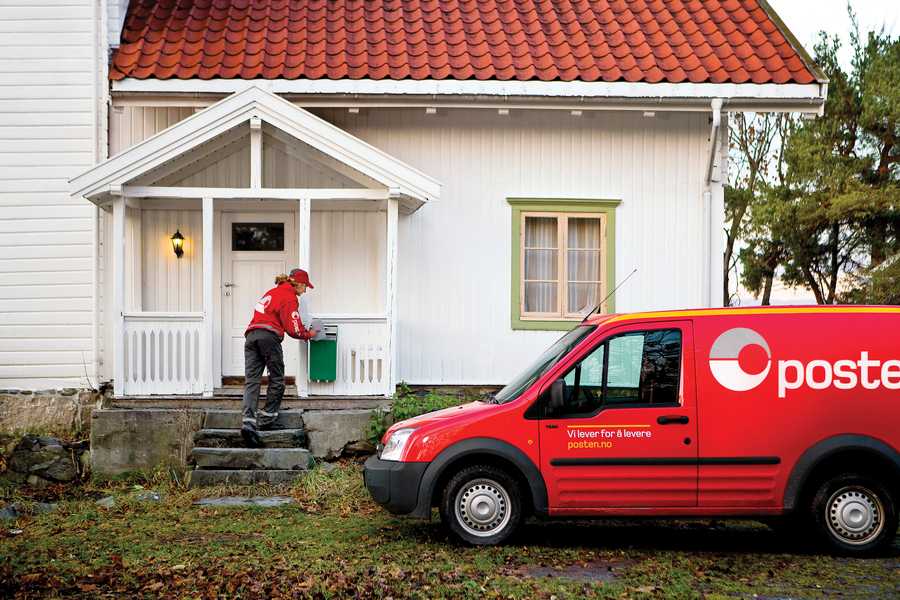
(313, 332)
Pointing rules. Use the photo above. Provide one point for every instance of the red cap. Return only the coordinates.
(301, 276)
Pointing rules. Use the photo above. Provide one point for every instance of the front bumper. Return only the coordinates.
(394, 485)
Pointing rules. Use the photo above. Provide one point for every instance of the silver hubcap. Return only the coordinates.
(855, 515)
(482, 507)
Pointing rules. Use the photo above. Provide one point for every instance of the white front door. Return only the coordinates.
(255, 248)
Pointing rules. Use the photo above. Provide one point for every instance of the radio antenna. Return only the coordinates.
(597, 308)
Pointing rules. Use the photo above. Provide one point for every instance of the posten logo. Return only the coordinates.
(740, 359)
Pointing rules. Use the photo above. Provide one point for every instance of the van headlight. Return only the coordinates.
(393, 448)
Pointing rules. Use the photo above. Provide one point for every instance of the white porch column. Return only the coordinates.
(207, 343)
(255, 152)
(390, 287)
(118, 316)
(303, 259)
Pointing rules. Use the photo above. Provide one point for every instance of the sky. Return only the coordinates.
(805, 18)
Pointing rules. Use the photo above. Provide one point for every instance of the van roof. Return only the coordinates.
(743, 311)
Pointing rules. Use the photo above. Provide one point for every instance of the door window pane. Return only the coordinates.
(661, 367)
(644, 368)
(584, 387)
(257, 237)
(640, 368)
(624, 371)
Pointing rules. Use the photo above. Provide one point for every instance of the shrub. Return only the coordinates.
(408, 404)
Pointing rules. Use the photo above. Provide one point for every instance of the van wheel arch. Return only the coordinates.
(483, 451)
(841, 454)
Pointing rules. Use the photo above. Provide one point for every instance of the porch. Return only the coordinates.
(254, 185)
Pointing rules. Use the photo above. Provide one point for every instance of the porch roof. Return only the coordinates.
(255, 105)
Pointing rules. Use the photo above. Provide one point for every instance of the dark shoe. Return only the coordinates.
(251, 437)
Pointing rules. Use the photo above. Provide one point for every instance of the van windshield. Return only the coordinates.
(543, 364)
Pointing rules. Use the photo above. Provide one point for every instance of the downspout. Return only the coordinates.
(714, 138)
(101, 150)
(711, 176)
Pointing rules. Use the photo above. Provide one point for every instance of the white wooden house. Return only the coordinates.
(462, 180)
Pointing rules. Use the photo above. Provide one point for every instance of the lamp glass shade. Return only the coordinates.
(178, 243)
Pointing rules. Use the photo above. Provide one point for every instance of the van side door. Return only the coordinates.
(623, 431)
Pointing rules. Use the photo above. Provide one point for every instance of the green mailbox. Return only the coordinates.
(323, 355)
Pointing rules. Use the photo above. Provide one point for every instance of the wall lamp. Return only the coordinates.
(178, 243)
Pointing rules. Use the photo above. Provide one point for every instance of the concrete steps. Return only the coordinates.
(209, 477)
(221, 457)
(231, 438)
(231, 419)
(233, 403)
(276, 459)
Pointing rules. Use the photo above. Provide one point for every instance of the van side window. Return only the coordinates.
(644, 368)
(641, 368)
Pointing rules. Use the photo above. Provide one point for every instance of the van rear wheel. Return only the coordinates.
(482, 505)
(855, 515)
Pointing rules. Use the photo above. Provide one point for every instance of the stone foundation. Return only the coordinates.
(124, 440)
(41, 460)
(66, 410)
(142, 439)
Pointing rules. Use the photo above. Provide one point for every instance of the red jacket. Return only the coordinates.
(277, 311)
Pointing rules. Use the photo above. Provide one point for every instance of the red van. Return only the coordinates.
(790, 415)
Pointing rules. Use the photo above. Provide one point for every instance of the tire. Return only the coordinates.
(854, 515)
(491, 491)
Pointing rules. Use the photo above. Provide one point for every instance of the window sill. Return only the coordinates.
(544, 325)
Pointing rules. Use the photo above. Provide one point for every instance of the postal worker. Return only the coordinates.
(275, 314)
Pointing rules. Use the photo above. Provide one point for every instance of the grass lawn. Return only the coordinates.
(335, 543)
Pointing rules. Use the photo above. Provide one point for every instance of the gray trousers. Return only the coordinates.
(262, 350)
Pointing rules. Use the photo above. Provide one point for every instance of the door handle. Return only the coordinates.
(673, 420)
(229, 285)
(552, 426)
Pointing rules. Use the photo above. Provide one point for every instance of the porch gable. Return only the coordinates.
(285, 121)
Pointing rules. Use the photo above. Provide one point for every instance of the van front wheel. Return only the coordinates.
(482, 505)
(855, 515)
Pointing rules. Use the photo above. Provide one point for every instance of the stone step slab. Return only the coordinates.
(231, 419)
(253, 458)
(210, 477)
(231, 438)
(264, 501)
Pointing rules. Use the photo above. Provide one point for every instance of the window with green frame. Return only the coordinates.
(563, 260)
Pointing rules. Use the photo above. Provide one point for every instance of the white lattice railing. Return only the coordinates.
(363, 358)
(163, 353)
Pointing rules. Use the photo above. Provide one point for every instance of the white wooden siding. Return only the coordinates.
(49, 87)
(454, 265)
(347, 261)
(168, 283)
(347, 250)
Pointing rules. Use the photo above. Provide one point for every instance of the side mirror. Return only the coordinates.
(557, 396)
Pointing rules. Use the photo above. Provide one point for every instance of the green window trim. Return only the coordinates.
(563, 205)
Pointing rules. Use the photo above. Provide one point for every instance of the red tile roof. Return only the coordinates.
(674, 41)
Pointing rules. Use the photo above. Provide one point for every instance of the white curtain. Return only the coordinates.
(583, 264)
(541, 264)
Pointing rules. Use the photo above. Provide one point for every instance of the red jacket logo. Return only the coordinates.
(263, 304)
